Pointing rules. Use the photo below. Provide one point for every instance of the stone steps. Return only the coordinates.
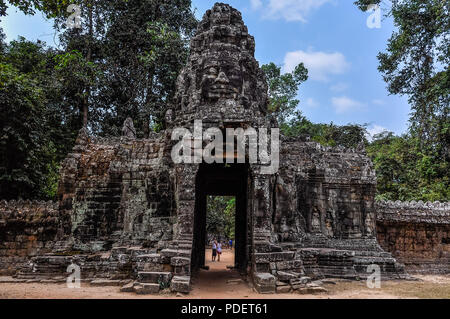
(266, 247)
(154, 277)
(181, 284)
(146, 289)
(265, 283)
(169, 253)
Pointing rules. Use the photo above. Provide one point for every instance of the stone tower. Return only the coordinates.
(222, 82)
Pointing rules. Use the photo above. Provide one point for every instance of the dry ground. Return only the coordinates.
(221, 283)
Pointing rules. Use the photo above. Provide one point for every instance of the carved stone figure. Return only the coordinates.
(128, 129)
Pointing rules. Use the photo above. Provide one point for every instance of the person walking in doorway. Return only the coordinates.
(214, 250)
(219, 250)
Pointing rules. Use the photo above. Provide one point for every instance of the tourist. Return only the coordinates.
(214, 250)
(219, 250)
(230, 243)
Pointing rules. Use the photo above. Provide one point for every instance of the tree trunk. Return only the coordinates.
(89, 59)
(148, 99)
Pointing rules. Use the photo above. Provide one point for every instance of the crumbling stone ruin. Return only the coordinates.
(127, 211)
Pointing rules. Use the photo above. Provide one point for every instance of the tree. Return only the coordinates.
(145, 48)
(416, 64)
(84, 51)
(27, 153)
(122, 62)
(51, 8)
(131, 52)
(220, 218)
(404, 172)
(91, 14)
(350, 135)
(283, 89)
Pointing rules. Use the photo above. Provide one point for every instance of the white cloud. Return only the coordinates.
(319, 64)
(339, 87)
(378, 102)
(374, 130)
(310, 102)
(344, 104)
(256, 4)
(290, 10)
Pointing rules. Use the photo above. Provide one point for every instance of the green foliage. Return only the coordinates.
(35, 133)
(20, 104)
(350, 135)
(76, 77)
(51, 8)
(220, 218)
(146, 46)
(122, 62)
(283, 89)
(404, 172)
(417, 64)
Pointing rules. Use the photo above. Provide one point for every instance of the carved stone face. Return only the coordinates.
(220, 79)
(169, 116)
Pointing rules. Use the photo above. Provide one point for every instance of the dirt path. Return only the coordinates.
(221, 283)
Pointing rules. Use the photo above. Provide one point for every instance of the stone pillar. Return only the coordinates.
(185, 176)
(262, 217)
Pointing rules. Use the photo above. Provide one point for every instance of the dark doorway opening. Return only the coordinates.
(221, 180)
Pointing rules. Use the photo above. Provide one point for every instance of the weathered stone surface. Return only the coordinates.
(180, 284)
(27, 228)
(155, 277)
(128, 287)
(146, 289)
(285, 276)
(417, 234)
(276, 256)
(180, 261)
(283, 289)
(264, 283)
(264, 278)
(128, 129)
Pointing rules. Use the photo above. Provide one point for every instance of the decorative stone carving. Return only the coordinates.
(128, 129)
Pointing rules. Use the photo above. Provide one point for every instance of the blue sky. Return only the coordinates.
(331, 37)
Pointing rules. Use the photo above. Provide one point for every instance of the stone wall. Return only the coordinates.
(416, 233)
(116, 191)
(323, 192)
(26, 229)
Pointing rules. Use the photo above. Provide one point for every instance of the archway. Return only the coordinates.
(221, 180)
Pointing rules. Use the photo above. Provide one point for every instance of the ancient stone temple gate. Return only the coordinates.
(127, 210)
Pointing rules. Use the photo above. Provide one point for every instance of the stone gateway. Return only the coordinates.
(126, 211)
